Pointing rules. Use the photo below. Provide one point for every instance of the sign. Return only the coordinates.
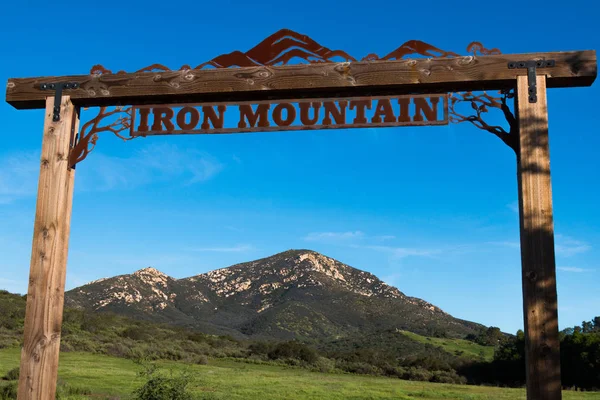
(307, 114)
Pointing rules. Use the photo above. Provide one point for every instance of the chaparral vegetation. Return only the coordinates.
(106, 354)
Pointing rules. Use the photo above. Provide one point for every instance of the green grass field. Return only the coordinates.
(115, 378)
(453, 346)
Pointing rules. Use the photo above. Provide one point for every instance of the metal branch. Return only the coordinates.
(482, 104)
(89, 132)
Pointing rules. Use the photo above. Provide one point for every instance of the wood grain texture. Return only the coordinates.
(370, 78)
(45, 297)
(537, 246)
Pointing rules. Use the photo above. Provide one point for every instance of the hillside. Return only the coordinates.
(113, 378)
(297, 294)
(394, 353)
(389, 353)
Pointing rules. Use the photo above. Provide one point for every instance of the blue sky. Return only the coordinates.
(431, 210)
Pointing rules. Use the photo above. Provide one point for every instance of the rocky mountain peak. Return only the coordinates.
(323, 264)
(296, 293)
(152, 275)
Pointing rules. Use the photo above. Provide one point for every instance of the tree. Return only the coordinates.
(491, 336)
(567, 331)
(596, 322)
(580, 360)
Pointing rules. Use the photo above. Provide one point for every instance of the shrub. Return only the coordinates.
(397, 372)
(417, 374)
(293, 350)
(324, 365)
(448, 377)
(161, 387)
(197, 337)
(81, 343)
(12, 375)
(136, 333)
(363, 368)
(260, 348)
(202, 360)
(65, 347)
(117, 350)
(8, 392)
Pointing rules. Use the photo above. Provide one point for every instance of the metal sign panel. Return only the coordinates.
(292, 115)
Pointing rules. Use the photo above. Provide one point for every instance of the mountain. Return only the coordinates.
(297, 294)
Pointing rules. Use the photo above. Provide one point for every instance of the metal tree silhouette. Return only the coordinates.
(481, 104)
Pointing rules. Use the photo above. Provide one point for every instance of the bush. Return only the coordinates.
(197, 337)
(324, 365)
(448, 377)
(294, 350)
(362, 368)
(161, 387)
(117, 350)
(12, 375)
(136, 333)
(8, 392)
(65, 347)
(260, 348)
(202, 360)
(417, 374)
(397, 372)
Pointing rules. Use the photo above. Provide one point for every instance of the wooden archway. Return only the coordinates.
(263, 74)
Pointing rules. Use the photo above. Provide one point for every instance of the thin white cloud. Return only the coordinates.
(574, 269)
(506, 243)
(402, 252)
(19, 171)
(567, 246)
(384, 237)
(563, 245)
(235, 249)
(172, 160)
(133, 261)
(391, 279)
(333, 236)
(18, 175)
(514, 207)
(13, 286)
(151, 164)
(358, 239)
(4, 280)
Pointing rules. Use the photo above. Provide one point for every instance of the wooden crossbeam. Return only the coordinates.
(369, 78)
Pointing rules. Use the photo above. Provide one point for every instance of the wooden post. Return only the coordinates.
(45, 297)
(542, 351)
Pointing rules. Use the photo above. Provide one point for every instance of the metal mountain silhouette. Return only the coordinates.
(278, 49)
(286, 45)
